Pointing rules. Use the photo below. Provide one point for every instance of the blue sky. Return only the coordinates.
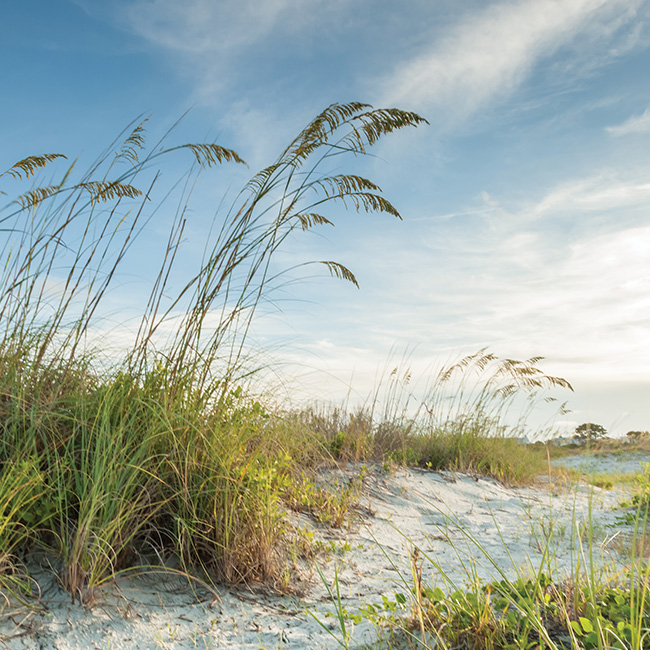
(526, 202)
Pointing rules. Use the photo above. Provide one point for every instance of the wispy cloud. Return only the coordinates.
(571, 283)
(635, 124)
(490, 53)
(602, 192)
(204, 26)
(217, 49)
(592, 304)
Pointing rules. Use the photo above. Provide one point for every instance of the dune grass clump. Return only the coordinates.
(471, 417)
(157, 453)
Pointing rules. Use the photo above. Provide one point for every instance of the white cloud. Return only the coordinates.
(205, 26)
(635, 124)
(599, 193)
(586, 312)
(212, 28)
(492, 52)
(571, 288)
(217, 48)
(593, 304)
(487, 199)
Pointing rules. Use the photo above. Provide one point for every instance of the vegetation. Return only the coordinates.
(588, 432)
(637, 436)
(159, 452)
(470, 417)
(162, 455)
(540, 608)
(512, 614)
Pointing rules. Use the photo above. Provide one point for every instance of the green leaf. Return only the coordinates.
(587, 625)
(576, 628)
(434, 595)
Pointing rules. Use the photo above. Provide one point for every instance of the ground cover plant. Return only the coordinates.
(592, 606)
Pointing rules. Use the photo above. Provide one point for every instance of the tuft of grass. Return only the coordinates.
(469, 418)
(158, 454)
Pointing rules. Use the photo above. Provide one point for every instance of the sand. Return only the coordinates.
(456, 521)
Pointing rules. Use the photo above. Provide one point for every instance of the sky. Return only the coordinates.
(525, 201)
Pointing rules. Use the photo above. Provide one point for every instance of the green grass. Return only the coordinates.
(609, 480)
(158, 453)
(468, 418)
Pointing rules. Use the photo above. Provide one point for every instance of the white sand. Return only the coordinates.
(430, 510)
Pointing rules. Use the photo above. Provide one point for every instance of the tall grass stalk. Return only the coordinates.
(99, 461)
(471, 416)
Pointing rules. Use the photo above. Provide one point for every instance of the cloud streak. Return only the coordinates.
(488, 54)
(635, 124)
(599, 193)
(203, 27)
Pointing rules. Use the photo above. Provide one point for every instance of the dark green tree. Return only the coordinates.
(589, 431)
(637, 435)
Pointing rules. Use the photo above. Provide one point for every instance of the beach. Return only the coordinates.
(465, 528)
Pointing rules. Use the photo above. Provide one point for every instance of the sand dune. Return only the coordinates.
(457, 522)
